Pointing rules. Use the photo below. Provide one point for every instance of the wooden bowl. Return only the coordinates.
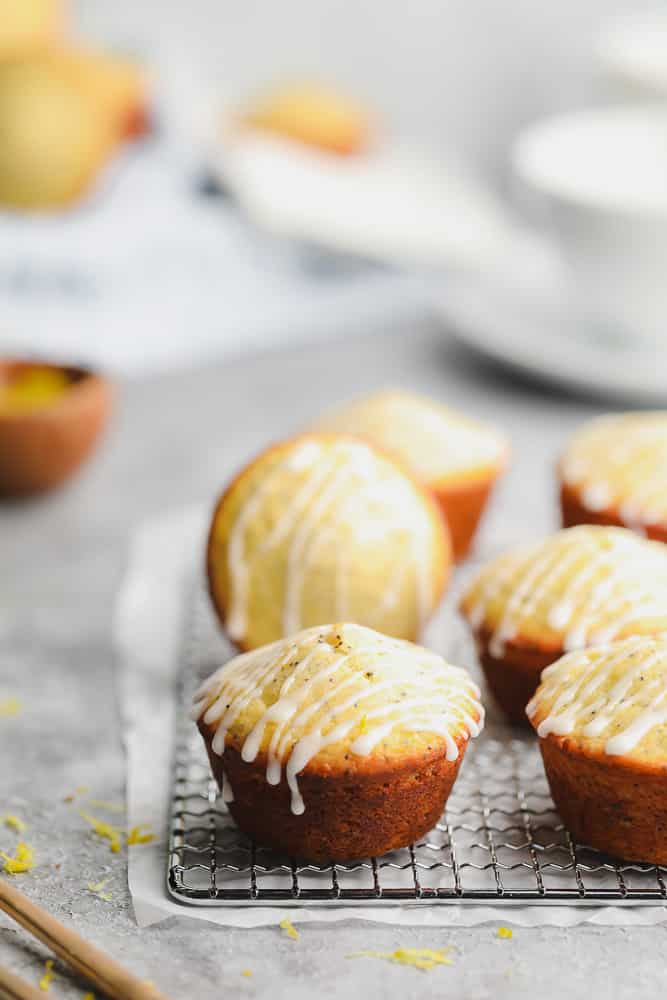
(40, 448)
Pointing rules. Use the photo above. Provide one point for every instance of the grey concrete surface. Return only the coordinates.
(176, 439)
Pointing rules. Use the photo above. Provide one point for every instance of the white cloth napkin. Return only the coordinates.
(164, 553)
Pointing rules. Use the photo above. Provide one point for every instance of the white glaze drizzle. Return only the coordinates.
(602, 581)
(599, 685)
(318, 704)
(342, 489)
(619, 463)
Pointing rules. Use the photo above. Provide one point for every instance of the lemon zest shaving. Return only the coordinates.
(504, 932)
(419, 958)
(363, 724)
(10, 707)
(135, 836)
(23, 860)
(104, 830)
(88, 996)
(289, 928)
(79, 790)
(97, 889)
(115, 807)
(48, 977)
(14, 823)
(246, 972)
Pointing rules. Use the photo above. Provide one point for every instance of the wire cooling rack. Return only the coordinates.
(500, 839)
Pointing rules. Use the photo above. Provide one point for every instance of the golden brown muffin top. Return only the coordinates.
(324, 527)
(582, 586)
(608, 700)
(619, 463)
(439, 444)
(337, 692)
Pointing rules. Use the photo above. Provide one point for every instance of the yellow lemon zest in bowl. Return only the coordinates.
(105, 830)
(504, 932)
(135, 836)
(23, 860)
(14, 823)
(289, 928)
(418, 958)
(33, 389)
(97, 889)
(10, 706)
(48, 977)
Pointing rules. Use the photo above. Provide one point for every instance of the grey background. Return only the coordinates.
(456, 74)
(176, 439)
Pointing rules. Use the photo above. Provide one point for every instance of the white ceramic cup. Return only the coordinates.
(596, 181)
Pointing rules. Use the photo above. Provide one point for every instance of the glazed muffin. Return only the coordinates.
(118, 86)
(459, 459)
(312, 115)
(337, 743)
(614, 471)
(580, 587)
(54, 138)
(319, 528)
(601, 715)
(26, 25)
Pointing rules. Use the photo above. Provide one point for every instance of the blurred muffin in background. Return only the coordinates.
(459, 459)
(29, 24)
(53, 137)
(313, 115)
(116, 83)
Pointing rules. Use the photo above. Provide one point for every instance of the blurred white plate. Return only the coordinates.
(543, 337)
(395, 203)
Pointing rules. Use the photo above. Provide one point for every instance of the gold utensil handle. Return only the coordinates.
(96, 966)
(12, 987)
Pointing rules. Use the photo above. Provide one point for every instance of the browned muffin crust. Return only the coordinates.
(463, 505)
(614, 804)
(573, 512)
(361, 812)
(513, 678)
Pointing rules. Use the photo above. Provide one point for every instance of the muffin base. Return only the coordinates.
(514, 677)
(463, 506)
(609, 803)
(574, 512)
(348, 815)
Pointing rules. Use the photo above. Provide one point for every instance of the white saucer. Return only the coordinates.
(549, 340)
(395, 204)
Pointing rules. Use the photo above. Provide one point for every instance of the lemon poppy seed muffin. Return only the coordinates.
(614, 471)
(312, 115)
(53, 137)
(338, 742)
(601, 715)
(459, 459)
(27, 25)
(580, 587)
(322, 528)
